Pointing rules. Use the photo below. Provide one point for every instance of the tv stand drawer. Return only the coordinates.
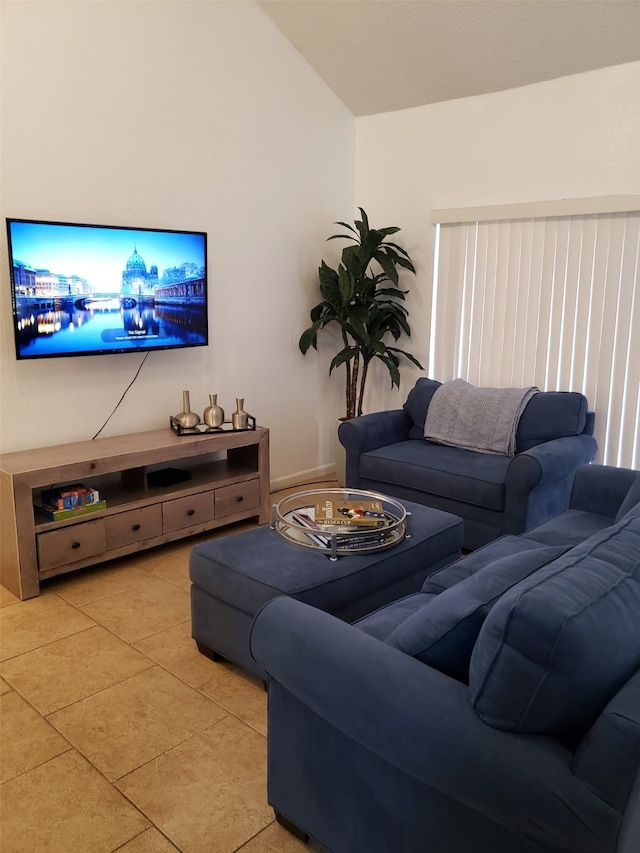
(187, 512)
(71, 544)
(237, 498)
(135, 525)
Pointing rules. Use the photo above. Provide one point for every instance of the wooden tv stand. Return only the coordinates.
(229, 481)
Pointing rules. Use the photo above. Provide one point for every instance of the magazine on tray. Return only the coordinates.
(362, 513)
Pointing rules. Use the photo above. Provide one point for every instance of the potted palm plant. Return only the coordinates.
(363, 299)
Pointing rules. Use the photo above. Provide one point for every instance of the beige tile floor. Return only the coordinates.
(115, 733)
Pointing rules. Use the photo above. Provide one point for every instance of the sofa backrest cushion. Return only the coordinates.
(417, 404)
(549, 415)
(631, 500)
(443, 632)
(559, 645)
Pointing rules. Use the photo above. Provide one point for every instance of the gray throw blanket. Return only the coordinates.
(485, 419)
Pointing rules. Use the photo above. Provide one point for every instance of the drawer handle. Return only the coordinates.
(75, 544)
(135, 527)
(240, 498)
(191, 512)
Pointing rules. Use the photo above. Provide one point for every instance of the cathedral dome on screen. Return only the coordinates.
(136, 264)
(135, 278)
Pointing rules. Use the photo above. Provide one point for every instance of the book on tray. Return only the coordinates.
(335, 511)
(346, 537)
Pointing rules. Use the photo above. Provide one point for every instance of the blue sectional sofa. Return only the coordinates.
(495, 711)
(494, 494)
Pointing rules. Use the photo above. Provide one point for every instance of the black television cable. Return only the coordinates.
(117, 406)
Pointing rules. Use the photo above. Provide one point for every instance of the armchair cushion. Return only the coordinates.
(417, 404)
(552, 414)
(443, 632)
(557, 647)
(478, 478)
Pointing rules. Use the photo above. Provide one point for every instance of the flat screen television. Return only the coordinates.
(94, 289)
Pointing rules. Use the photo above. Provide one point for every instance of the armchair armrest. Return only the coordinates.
(421, 721)
(550, 462)
(358, 435)
(539, 480)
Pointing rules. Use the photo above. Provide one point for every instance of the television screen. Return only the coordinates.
(93, 289)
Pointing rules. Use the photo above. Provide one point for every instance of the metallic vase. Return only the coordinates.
(240, 419)
(213, 415)
(186, 418)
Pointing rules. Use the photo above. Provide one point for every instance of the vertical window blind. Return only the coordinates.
(551, 301)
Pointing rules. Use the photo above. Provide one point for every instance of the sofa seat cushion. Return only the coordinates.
(472, 563)
(572, 526)
(450, 472)
(557, 647)
(383, 621)
(443, 632)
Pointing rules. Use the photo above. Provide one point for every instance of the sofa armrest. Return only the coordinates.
(601, 489)
(608, 759)
(358, 435)
(539, 480)
(421, 721)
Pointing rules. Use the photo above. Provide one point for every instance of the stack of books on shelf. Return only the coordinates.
(68, 502)
(355, 523)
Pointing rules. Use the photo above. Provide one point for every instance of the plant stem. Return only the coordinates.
(353, 391)
(365, 368)
(349, 394)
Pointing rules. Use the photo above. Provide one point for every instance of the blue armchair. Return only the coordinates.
(493, 494)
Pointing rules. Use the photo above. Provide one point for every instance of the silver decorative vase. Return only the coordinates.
(239, 419)
(186, 418)
(213, 415)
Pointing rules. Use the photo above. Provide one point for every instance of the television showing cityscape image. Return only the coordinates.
(95, 289)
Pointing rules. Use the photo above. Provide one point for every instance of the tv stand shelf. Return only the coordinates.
(228, 482)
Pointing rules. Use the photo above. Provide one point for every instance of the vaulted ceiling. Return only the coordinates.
(383, 55)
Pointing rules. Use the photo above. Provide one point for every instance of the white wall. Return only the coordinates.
(574, 137)
(179, 115)
(201, 115)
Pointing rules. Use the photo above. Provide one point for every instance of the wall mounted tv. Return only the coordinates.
(95, 289)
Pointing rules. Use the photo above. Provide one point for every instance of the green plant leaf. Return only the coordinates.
(388, 265)
(309, 338)
(346, 285)
(407, 355)
(344, 225)
(344, 355)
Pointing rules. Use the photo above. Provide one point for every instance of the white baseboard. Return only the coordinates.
(301, 478)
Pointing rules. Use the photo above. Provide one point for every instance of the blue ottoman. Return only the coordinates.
(234, 576)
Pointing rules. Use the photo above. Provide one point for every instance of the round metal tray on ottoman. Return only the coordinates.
(232, 577)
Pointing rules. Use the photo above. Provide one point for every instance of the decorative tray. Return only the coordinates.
(290, 518)
(203, 429)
